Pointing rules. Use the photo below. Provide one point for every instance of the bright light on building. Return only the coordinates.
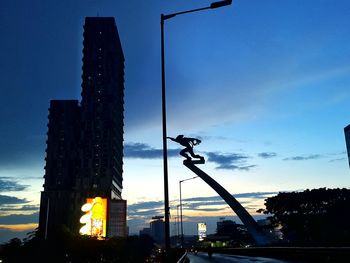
(202, 231)
(95, 217)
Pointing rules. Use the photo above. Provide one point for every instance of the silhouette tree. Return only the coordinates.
(312, 217)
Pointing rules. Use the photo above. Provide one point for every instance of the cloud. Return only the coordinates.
(235, 167)
(139, 214)
(253, 195)
(19, 219)
(9, 200)
(206, 209)
(145, 209)
(9, 185)
(199, 199)
(267, 155)
(229, 161)
(337, 160)
(145, 205)
(145, 213)
(22, 208)
(304, 158)
(207, 206)
(144, 151)
(210, 204)
(206, 202)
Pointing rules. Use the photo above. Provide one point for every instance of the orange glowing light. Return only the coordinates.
(95, 217)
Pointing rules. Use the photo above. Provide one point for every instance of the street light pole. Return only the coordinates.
(181, 224)
(165, 150)
(178, 225)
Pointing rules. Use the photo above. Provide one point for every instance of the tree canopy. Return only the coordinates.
(312, 217)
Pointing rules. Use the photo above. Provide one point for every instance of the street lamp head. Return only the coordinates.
(220, 4)
(165, 17)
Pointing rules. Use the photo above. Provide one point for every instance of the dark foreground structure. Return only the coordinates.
(292, 254)
(84, 154)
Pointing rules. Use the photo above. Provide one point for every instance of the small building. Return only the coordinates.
(117, 219)
(145, 231)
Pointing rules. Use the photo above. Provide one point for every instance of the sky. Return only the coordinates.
(264, 84)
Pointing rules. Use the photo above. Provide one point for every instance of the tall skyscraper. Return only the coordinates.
(84, 156)
(347, 140)
(102, 108)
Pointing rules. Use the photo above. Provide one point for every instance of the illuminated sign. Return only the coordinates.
(202, 231)
(95, 217)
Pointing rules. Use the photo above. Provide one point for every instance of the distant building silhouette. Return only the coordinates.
(84, 154)
(223, 225)
(347, 140)
(156, 229)
(145, 231)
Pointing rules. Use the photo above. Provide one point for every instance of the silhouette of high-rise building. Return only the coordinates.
(347, 140)
(102, 108)
(84, 154)
(156, 229)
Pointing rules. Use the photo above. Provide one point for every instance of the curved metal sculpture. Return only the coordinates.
(253, 228)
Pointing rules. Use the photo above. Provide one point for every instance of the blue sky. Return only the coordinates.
(265, 84)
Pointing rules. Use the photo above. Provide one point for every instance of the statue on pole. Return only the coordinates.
(260, 237)
(188, 143)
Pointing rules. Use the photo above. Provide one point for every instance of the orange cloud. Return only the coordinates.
(19, 227)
